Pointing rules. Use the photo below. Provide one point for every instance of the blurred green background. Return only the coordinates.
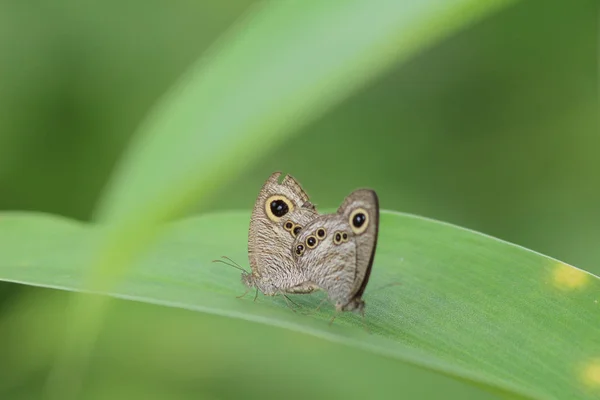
(495, 129)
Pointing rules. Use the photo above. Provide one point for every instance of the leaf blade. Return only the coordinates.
(469, 306)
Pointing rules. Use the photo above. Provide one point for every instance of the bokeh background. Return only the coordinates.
(496, 128)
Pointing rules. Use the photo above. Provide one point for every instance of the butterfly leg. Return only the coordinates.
(292, 301)
(245, 293)
(364, 321)
(333, 317)
(287, 301)
(318, 307)
(255, 295)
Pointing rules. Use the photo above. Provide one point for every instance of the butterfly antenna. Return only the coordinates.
(231, 264)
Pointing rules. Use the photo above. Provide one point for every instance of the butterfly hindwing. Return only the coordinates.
(336, 251)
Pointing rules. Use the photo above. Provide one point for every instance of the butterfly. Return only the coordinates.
(292, 249)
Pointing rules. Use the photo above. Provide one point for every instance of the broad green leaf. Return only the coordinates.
(149, 352)
(467, 305)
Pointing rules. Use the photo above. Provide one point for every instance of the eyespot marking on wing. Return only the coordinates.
(277, 206)
(359, 220)
(321, 233)
(337, 238)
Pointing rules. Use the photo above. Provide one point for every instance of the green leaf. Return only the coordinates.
(181, 354)
(468, 305)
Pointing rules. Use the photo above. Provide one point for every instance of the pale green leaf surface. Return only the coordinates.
(170, 353)
(468, 305)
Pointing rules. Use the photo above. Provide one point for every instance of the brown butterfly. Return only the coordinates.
(336, 251)
(294, 250)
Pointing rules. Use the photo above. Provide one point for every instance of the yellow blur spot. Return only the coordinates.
(567, 277)
(591, 374)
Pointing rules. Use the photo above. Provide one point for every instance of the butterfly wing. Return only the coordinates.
(280, 211)
(361, 210)
(336, 251)
(326, 253)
